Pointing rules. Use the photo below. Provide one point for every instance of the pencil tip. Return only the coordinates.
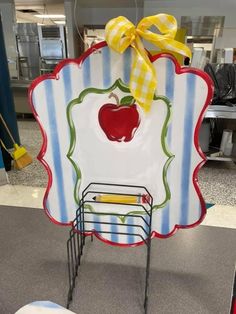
(94, 198)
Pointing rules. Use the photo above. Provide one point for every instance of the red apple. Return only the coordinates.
(119, 122)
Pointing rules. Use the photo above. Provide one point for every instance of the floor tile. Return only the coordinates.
(221, 216)
(19, 195)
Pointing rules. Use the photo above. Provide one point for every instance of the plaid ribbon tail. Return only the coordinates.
(143, 80)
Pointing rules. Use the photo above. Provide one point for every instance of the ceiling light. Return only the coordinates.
(50, 16)
(60, 22)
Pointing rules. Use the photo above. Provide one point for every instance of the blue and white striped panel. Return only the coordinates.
(43, 307)
(187, 93)
(50, 100)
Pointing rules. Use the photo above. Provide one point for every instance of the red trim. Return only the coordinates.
(179, 70)
(233, 308)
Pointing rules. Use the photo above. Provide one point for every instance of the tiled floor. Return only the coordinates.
(217, 182)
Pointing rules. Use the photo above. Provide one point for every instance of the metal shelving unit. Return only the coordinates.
(221, 112)
(222, 158)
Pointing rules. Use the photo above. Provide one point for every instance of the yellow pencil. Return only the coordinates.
(124, 199)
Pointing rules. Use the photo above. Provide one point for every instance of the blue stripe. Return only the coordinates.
(55, 145)
(170, 84)
(97, 226)
(86, 73)
(146, 225)
(169, 92)
(114, 237)
(127, 65)
(106, 66)
(165, 220)
(66, 74)
(131, 230)
(46, 304)
(187, 147)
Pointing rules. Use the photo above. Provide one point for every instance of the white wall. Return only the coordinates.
(180, 8)
(100, 16)
(228, 40)
(95, 16)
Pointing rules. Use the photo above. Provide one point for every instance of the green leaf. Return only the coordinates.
(127, 100)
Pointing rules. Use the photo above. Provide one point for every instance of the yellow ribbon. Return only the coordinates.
(120, 33)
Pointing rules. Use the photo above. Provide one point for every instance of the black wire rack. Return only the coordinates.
(86, 221)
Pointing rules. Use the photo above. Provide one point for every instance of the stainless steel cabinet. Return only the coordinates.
(28, 50)
(221, 112)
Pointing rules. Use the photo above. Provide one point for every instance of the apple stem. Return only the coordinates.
(116, 98)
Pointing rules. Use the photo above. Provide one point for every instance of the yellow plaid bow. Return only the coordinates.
(120, 33)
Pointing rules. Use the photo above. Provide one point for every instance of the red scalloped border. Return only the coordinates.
(178, 70)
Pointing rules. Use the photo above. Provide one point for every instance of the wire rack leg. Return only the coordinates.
(147, 275)
(69, 295)
(74, 252)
